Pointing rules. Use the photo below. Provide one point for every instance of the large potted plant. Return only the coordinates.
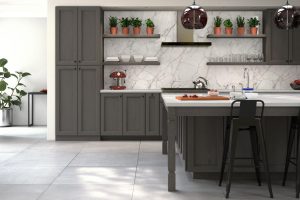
(125, 23)
(217, 23)
(10, 95)
(136, 23)
(228, 26)
(150, 26)
(113, 23)
(253, 23)
(240, 21)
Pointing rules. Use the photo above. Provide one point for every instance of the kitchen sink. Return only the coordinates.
(184, 90)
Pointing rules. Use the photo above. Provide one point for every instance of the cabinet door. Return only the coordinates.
(277, 41)
(134, 114)
(66, 100)
(89, 41)
(152, 114)
(111, 114)
(295, 46)
(88, 100)
(66, 36)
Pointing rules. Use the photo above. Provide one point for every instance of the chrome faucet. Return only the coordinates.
(246, 75)
(200, 83)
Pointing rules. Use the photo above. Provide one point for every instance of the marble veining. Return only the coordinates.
(181, 65)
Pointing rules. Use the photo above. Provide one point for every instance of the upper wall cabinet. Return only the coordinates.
(281, 46)
(78, 39)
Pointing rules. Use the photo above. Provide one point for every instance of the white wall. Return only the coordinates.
(23, 44)
(229, 4)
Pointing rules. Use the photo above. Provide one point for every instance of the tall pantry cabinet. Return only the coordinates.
(78, 72)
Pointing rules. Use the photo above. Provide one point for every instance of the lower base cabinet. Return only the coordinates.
(130, 115)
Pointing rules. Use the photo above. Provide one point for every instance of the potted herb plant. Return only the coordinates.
(253, 23)
(150, 26)
(136, 23)
(125, 23)
(218, 23)
(10, 95)
(113, 23)
(240, 21)
(228, 26)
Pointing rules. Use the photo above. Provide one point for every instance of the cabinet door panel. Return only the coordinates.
(66, 100)
(152, 114)
(277, 41)
(88, 100)
(134, 114)
(295, 46)
(89, 41)
(66, 36)
(111, 114)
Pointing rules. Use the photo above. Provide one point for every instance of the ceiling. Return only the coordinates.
(23, 8)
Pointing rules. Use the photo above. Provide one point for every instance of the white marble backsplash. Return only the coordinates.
(181, 65)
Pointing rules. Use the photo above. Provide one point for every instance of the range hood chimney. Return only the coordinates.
(185, 37)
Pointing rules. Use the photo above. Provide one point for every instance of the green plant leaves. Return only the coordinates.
(24, 74)
(3, 62)
(3, 85)
(23, 93)
(7, 74)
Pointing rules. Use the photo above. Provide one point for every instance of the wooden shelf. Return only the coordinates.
(131, 36)
(192, 44)
(132, 63)
(237, 63)
(236, 36)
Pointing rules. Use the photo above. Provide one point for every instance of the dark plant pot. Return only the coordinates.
(241, 30)
(217, 30)
(253, 30)
(228, 31)
(6, 117)
(150, 30)
(114, 30)
(136, 30)
(125, 30)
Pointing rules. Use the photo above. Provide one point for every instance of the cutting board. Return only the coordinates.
(202, 98)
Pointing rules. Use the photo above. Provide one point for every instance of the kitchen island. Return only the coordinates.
(278, 106)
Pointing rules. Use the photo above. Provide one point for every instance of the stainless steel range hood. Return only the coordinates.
(185, 37)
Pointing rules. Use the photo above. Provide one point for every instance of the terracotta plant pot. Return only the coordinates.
(114, 30)
(253, 30)
(228, 31)
(150, 30)
(125, 30)
(217, 30)
(136, 30)
(241, 30)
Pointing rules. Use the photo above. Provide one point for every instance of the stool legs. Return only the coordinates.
(225, 152)
(297, 166)
(255, 152)
(288, 153)
(232, 148)
(264, 154)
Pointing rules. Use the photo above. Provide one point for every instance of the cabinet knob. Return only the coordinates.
(79, 61)
(75, 61)
(287, 61)
(79, 68)
(74, 68)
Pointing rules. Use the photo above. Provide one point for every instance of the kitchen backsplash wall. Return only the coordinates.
(181, 65)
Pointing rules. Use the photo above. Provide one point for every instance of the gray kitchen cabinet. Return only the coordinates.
(134, 114)
(88, 100)
(78, 36)
(66, 98)
(152, 114)
(66, 36)
(281, 46)
(111, 114)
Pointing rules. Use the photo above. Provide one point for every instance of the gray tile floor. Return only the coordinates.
(32, 168)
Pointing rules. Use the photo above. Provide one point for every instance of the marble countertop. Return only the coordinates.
(271, 100)
(131, 91)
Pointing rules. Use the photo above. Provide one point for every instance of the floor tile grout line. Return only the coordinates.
(137, 163)
(49, 185)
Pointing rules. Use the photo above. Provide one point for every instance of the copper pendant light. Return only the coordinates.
(284, 17)
(194, 17)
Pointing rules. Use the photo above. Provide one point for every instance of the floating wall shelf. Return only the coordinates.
(236, 36)
(132, 63)
(237, 63)
(192, 44)
(131, 36)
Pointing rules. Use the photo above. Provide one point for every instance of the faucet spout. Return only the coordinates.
(247, 77)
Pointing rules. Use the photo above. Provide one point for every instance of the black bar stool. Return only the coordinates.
(294, 130)
(246, 119)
